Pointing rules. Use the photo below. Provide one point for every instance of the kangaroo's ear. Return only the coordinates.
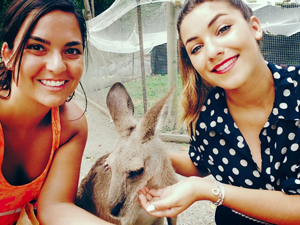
(121, 109)
(148, 123)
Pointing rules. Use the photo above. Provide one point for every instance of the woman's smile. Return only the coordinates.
(226, 65)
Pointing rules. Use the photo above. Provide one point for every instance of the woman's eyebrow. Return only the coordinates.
(40, 40)
(73, 43)
(209, 25)
(215, 19)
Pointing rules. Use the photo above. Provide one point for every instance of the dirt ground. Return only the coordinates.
(102, 139)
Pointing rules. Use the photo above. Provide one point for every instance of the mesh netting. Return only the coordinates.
(114, 40)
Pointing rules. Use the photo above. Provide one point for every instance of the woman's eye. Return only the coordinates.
(36, 47)
(196, 49)
(73, 51)
(224, 29)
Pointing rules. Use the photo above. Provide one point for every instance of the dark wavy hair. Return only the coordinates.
(13, 20)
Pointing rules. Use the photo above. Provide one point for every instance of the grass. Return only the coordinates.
(156, 88)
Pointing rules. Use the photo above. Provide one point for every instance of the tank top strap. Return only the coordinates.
(56, 127)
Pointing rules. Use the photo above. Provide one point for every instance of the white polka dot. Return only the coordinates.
(278, 67)
(205, 142)
(197, 133)
(297, 181)
(221, 168)
(199, 150)
(225, 161)
(264, 132)
(231, 179)
(276, 75)
(235, 171)
(194, 139)
(212, 112)
(219, 120)
(208, 102)
(222, 142)
(202, 148)
(256, 173)
(215, 151)
(295, 147)
(212, 133)
(283, 150)
(269, 187)
(226, 110)
(293, 168)
(290, 80)
(279, 130)
(267, 151)
(291, 68)
(268, 139)
(244, 163)
(202, 125)
(277, 165)
(240, 144)
(203, 108)
(198, 158)
(291, 136)
(219, 178)
(275, 111)
(240, 138)
(196, 164)
(272, 178)
(217, 96)
(268, 170)
(285, 160)
(287, 92)
(267, 124)
(192, 154)
(283, 105)
(211, 162)
(211, 158)
(226, 129)
(213, 124)
(248, 182)
(234, 124)
(298, 191)
(232, 151)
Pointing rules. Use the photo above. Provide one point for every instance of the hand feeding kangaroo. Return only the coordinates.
(138, 160)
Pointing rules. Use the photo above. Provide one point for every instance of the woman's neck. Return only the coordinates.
(259, 92)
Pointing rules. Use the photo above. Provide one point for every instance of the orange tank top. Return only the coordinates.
(13, 198)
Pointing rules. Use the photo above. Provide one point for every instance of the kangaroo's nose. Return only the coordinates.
(56, 63)
(117, 208)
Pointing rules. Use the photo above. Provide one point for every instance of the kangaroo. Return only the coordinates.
(139, 159)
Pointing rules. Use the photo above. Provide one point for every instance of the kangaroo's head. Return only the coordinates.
(138, 159)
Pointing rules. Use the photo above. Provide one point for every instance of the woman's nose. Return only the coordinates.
(213, 50)
(56, 63)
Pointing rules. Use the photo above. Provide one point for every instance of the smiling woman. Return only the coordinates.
(243, 116)
(41, 68)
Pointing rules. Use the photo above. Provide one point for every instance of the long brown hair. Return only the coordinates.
(195, 89)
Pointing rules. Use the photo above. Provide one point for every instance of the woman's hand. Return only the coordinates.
(172, 200)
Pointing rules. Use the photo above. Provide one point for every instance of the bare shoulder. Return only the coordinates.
(73, 122)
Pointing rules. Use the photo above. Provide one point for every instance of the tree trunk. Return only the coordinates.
(172, 64)
(87, 8)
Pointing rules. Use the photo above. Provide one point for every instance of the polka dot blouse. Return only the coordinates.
(219, 145)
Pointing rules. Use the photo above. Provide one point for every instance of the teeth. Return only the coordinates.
(53, 83)
(226, 64)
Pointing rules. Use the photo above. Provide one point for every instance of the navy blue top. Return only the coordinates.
(219, 145)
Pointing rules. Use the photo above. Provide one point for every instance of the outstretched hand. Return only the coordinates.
(169, 201)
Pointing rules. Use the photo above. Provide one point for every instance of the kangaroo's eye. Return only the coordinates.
(135, 173)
